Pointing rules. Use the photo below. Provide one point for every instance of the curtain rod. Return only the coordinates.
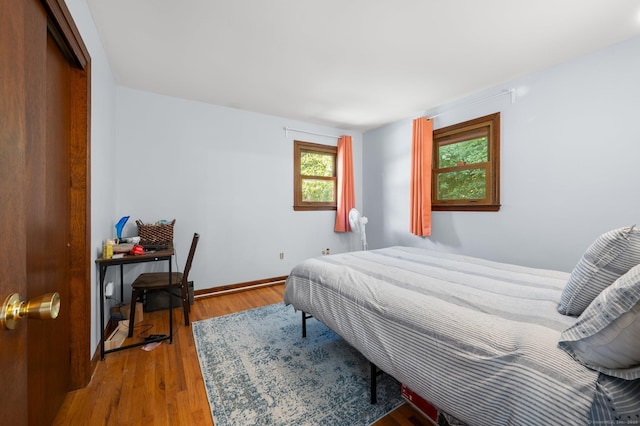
(286, 130)
(511, 92)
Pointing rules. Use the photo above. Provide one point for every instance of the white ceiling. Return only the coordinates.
(353, 64)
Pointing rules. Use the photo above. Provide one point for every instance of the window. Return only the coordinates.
(466, 166)
(315, 181)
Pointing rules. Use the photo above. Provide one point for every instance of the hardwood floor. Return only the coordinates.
(164, 386)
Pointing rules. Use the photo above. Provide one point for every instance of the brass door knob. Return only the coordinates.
(46, 306)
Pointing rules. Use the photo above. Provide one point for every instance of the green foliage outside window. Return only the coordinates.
(468, 152)
(462, 185)
(314, 190)
(466, 184)
(313, 164)
(317, 190)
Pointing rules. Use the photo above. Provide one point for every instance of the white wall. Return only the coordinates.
(226, 174)
(569, 153)
(103, 106)
(230, 179)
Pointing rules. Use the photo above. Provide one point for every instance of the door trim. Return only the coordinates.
(66, 33)
(63, 29)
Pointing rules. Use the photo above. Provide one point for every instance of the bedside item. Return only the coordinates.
(131, 240)
(137, 250)
(419, 403)
(115, 339)
(159, 233)
(107, 249)
(120, 226)
(151, 247)
(122, 248)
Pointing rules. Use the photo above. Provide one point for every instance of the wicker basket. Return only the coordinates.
(156, 234)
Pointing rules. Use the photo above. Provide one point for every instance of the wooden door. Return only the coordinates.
(47, 231)
(44, 194)
(13, 263)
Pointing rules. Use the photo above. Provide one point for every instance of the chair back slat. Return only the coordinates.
(192, 251)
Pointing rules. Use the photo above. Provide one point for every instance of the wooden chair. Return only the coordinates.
(155, 281)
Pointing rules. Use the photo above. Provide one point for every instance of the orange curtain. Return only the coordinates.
(346, 199)
(421, 153)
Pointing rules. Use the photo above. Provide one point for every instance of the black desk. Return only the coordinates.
(103, 264)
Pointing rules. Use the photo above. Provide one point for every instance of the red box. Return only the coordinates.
(420, 403)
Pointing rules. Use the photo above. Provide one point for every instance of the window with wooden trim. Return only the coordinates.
(466, 166)
(314, 176)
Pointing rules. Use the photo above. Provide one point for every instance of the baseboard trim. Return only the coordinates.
(234, 288)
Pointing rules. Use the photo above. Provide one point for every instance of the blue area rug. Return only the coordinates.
(258, 370)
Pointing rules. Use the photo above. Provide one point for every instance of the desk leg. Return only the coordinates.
(121, 283)
(103, 273)
(170, 304)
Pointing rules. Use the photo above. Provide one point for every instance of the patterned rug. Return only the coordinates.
(258, 370)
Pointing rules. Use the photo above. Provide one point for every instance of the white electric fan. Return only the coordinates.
(357, 223)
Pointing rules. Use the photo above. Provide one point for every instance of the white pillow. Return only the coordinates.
(617, 346)
(610, 256)
(606, 336)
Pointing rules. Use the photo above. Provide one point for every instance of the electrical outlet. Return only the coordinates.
(108, 292)
(281, 255)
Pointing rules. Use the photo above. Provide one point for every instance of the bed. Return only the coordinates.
(484, 342)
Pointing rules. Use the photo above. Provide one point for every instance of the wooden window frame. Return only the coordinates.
(298, 148)
(458, 133)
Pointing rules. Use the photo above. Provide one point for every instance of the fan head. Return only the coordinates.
(354, 220)
(357, 223)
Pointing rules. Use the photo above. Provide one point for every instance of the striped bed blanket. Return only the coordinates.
(476, 338)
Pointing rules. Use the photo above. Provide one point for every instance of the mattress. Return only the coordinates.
(478, 339)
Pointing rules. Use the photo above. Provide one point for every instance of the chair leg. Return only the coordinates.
(185, 303)
(132, 311)
(169, 292)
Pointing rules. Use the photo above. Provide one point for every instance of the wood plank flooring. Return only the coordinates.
(165, 386)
